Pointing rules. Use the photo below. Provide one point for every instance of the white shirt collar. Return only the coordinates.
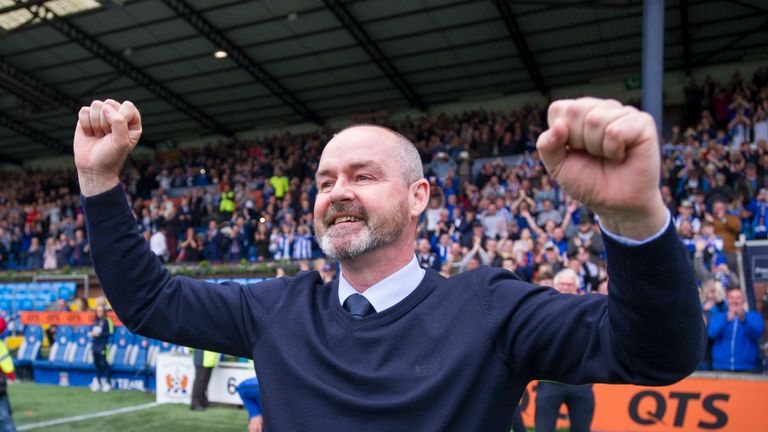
(390, 290)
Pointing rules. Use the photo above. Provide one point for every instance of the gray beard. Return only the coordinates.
(377, 232)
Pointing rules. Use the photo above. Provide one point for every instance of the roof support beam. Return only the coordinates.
(41, 137)
(80, 37)
(522, 47)
(9, 160)
(706, 57)
(11, 76)
(199, 23)
(685, 29)
(36, 91)
(357, 31)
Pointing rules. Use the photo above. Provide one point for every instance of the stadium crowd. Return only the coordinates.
(492, 202)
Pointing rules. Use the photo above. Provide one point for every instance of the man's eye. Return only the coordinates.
(363, 178)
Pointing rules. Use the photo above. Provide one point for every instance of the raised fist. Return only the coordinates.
(606, 156)
(106, 132)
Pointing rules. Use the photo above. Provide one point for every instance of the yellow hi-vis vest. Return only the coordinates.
(227, 202)
(6, 361)
(210, 359)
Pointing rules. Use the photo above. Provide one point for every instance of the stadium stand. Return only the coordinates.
(486, 178)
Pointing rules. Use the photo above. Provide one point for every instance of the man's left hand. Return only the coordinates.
(606, 156)
(255, 424)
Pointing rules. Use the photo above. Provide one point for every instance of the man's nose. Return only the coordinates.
(341, 191)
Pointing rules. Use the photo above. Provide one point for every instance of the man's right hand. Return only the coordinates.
(106, 132)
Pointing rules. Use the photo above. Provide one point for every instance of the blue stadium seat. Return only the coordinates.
(29, 350)
(26, 304)
(62, 349)
(82, 356)
(6, 292)
(66, 290)
(135, 359)
(120, 348)
(156, 347)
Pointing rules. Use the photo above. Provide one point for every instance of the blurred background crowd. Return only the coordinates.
(492, 201)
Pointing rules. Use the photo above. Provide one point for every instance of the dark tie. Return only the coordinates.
(358, 306)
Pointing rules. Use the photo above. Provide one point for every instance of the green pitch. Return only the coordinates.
(35, 403)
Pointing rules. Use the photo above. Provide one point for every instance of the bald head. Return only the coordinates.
(405, 152)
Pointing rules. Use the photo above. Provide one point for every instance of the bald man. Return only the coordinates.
(579, 399)
(389, 345)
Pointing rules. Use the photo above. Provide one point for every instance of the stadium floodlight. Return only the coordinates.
(220, 54)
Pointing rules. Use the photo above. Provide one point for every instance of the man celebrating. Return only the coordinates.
(389, 345)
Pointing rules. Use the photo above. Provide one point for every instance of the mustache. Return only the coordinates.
(348, 208)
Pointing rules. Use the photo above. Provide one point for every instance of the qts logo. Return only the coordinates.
(650, 407)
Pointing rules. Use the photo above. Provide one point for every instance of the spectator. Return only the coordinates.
(204, 362)
(191, 248)
(587, 270)
(213, 241)
(727, 227)
(759, 210)
(718, 269)
(441, 164)
(234, 244)
(494, 224)
(35, 254)
(279, 182)
(302, 243)
(159, 244)
(101, 330)
(735, 336)
(81, 250)
(548, 213)
(63, 251)
(579, 399)
(426, 258)
(261, 242)
(50, 261)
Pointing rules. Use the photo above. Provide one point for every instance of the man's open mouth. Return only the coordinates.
(345, 219)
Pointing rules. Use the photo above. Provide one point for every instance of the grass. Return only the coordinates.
(33, 403)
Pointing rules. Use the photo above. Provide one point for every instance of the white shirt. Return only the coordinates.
(158, 245)
(390, 290)
(397, 286)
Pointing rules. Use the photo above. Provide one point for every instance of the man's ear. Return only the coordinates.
(418, 197)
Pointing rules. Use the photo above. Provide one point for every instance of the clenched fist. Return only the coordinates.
(606, 155)
(106, 132)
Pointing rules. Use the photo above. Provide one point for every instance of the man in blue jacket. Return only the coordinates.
(735, 335)
(389, 345)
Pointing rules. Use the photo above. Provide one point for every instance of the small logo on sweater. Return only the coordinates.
(426, 369)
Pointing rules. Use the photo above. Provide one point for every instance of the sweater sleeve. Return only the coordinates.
(225, 318)
(649, 330)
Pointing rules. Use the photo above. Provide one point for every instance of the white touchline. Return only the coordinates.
(107, 413)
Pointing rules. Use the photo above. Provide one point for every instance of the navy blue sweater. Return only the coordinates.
(455, 355)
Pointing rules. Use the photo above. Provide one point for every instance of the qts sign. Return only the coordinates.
(651, 407)
(694, 404)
